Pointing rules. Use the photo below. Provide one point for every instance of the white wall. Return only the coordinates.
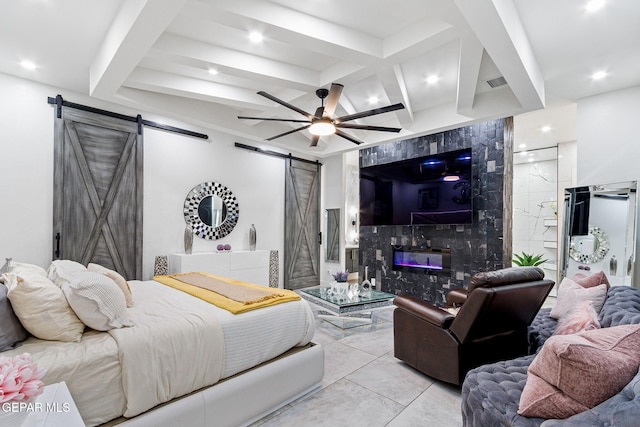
(609, 142)
(173, 164)
(608, 137)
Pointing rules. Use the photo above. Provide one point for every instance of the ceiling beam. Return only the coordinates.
(135, 29)
(471, 51)
(498, 27)
(394, 85)
(173, 84)
(298, 23)
(236, 60)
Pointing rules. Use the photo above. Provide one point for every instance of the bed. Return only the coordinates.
(186, 361)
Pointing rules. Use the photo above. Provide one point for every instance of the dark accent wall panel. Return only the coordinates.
(475, 247)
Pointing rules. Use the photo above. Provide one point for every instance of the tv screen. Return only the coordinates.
(425, 190)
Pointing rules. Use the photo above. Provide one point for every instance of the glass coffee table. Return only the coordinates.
(343, 311)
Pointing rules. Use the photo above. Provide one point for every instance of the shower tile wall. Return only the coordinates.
(535, 186)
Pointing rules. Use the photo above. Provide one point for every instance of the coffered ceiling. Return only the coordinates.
(194, 61)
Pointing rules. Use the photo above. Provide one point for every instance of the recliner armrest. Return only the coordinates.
(424, 310)
(457, 297)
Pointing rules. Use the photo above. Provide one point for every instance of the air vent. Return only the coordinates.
(498, 81)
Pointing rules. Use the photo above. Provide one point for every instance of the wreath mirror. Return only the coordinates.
(591, 248)
(211, 210)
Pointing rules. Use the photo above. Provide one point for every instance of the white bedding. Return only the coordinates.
(174, 347)
(93, 373)
(91, 369)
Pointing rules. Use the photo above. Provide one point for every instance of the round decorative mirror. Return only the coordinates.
(211, 210)
(591, 248)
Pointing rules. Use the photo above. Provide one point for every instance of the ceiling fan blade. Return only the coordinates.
(332, 99)
(367, 127)
(285, 104)
(287, 133)
(368, 113)
(319, 112)
(273, 119)
(314, 141)
(349, 137)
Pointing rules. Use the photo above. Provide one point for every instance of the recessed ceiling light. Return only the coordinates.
(28, 65)
(213, 71)
(523, 153)
(523, 145)
(531, 159)
(599, 75)
(373, 100)
(594, 5)
(432, 79)
(255, 37)
(545, 128)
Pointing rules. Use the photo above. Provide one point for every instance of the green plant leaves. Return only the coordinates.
(525, 259)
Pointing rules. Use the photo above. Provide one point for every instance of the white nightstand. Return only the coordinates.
(54, 408)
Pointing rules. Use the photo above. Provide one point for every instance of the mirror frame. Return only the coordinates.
(192, 218)
(597, 255)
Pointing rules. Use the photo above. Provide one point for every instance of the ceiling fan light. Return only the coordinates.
(322, 127)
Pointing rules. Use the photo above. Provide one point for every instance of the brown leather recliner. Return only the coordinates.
(490, 326)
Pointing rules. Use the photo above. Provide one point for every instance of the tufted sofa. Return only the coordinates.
(491, 393)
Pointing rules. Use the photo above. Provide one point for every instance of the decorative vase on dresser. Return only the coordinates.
(252, 238)
(188, 240)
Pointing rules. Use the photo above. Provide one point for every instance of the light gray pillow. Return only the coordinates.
(11, 330)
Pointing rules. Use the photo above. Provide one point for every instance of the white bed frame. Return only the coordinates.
(244, 398)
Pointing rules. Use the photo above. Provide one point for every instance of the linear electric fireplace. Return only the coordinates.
(419, 259)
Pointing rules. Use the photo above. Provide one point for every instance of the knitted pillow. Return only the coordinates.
(97, 301)
(116, 277)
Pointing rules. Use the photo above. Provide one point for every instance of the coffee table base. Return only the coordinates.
(346, 321)
(347, 314)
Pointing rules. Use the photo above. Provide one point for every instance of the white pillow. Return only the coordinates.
(97, 301)
(571, 295)
(61, 271)
(24, 268)
(116, 277)
(42, 308)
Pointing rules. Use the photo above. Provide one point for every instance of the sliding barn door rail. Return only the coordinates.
(59, 103)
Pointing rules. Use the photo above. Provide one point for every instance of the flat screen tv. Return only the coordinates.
(425, 190)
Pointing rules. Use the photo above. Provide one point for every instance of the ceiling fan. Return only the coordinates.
(322, 122)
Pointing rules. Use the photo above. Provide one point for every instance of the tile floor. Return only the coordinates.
(364, 385)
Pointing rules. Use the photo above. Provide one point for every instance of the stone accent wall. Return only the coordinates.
(474, 247)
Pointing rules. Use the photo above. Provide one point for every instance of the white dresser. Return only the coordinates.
(249, 266)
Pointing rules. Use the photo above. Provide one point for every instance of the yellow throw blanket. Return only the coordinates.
(232, 295)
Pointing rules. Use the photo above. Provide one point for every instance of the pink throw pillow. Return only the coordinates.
(571, 295)
(581, 318)
(573, 373)
(592, 280)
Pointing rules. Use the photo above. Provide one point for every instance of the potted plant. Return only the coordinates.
(525, 259)
(340, 285)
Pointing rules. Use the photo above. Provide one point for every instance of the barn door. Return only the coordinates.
(98, 191)
(302, 224)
